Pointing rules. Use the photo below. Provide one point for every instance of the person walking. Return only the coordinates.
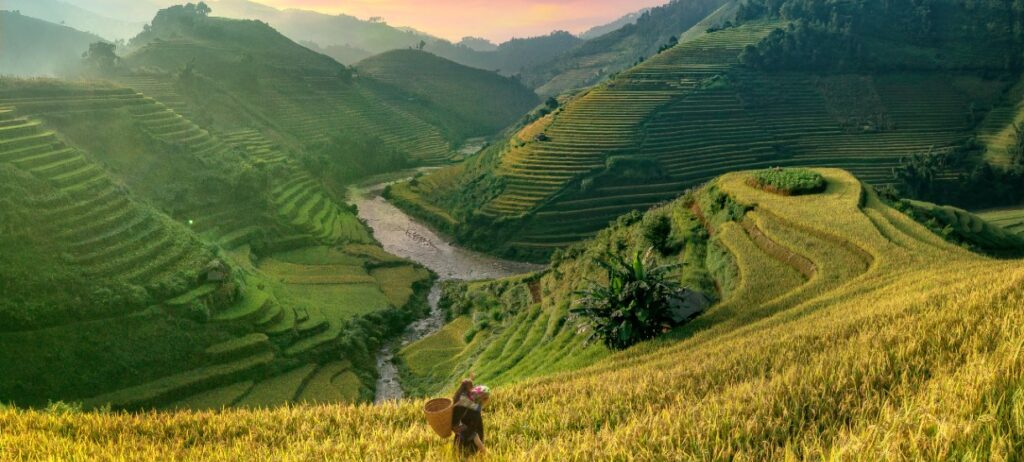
(467, 417)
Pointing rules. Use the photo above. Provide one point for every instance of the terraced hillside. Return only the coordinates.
(155, 314)
(103, 232)
(685, 116)
(845, 321)
(308, 313)
(594, 60)
(997, 132)
(166, 157)
(1011, 220)
(266, 80)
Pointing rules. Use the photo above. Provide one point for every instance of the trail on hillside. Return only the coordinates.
(401, 235)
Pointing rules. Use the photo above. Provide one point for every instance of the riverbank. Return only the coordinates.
(405, 237)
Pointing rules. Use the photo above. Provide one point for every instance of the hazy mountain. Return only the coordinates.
(349, 39)
(33, 47)
(594, 60)
(140, 11)
(60, 12)
(613, 26)
(478, 44)
(484, 101)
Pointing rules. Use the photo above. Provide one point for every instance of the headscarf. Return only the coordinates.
(479, 393)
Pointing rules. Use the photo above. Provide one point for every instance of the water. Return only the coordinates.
(405, 237)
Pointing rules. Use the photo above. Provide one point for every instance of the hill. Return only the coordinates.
(347, 38)
(841, 320)
(33, 47)
(597, 31)
(187, 260)
(485, 101)
(306, 99)
(593, 61)
(62, 13)
(697, 110)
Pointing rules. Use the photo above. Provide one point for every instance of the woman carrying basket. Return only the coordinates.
(467, 419)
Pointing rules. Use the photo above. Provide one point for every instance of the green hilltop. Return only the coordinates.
(769, 88)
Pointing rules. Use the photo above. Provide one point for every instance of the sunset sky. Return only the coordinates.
(497, 20)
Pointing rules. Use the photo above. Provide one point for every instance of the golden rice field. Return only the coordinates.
(899, 346)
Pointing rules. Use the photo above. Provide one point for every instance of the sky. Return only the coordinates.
(496, 20)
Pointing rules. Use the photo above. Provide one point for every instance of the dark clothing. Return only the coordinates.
(467, 423)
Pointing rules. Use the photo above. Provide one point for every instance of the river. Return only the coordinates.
(401, 235)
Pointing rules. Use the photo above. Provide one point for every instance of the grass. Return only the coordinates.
(430, 360)
(216, 399)
(398, 282)
(332, 383)
(915, 355)
(278, 391)
(340, 301)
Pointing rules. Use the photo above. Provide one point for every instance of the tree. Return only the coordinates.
(1016, 150)
(101, 56)
(918, 174)
(421, 45)
(635, 304)
(202, 9)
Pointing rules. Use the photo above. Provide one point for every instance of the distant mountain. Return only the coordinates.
(349, 39)
(613, 26)
(33, 47)
(594, 60)
(486, 102)
(139, 11)
(60, 12)
(477, 44)
(360, 38)
(223, 48)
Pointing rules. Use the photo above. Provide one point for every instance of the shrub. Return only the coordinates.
(198, 311)
(634, 304)
(656, 229)
(788, 181)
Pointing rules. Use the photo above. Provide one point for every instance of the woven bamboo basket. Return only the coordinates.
(439, 415)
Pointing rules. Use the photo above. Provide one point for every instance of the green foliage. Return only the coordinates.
(804, 47)
(101, 57)
(887, 34)
(656, 229)
(789, 181)
(958, 226)
(633, 304)
(349, 155)
(719, 207)
(1016, 150)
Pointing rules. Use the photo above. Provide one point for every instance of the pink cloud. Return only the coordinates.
(497, 20)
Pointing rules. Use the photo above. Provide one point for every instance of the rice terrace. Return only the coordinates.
(512, 230)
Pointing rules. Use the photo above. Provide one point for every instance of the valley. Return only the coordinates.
(701, 230)
(401, 235)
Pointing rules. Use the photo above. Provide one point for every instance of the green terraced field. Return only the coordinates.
(105, 234)
(244, 330)
(692, 113)
(1011, 220)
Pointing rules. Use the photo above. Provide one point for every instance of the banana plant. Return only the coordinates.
(633, 304)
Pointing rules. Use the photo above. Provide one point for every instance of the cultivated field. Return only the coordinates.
(891, 344)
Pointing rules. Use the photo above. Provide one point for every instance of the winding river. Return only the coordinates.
(401, 235)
